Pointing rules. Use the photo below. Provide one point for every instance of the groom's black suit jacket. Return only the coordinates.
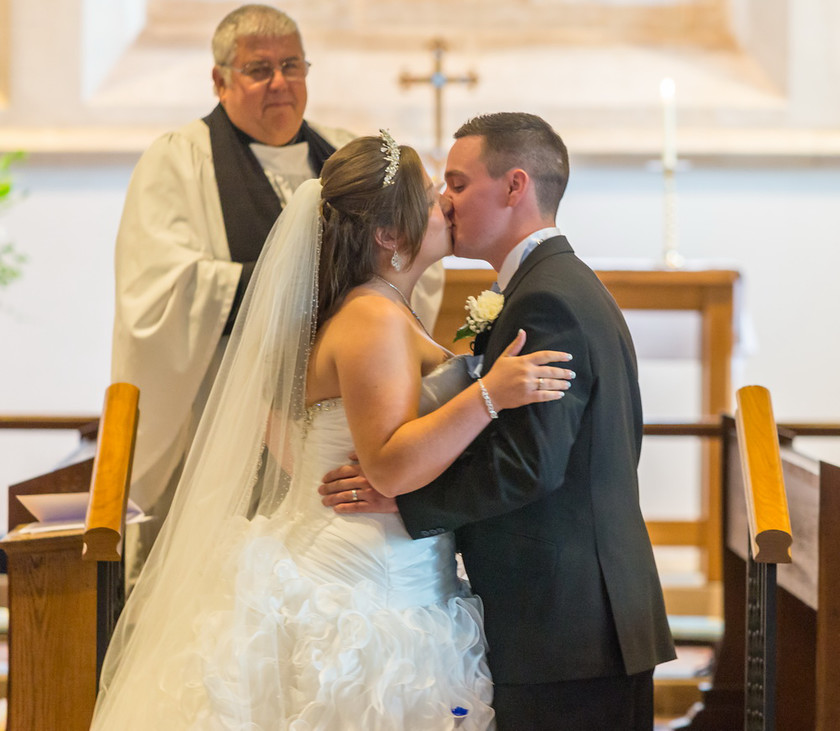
(545, 502)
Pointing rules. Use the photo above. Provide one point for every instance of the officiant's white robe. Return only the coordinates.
(175, 284)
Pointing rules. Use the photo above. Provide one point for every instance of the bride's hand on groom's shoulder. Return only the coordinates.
(346, 490)
(516, 380)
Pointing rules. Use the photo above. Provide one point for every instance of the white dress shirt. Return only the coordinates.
(519, 252)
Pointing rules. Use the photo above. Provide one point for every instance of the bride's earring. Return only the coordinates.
(396, 261)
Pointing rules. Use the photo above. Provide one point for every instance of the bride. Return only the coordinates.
(259, 608)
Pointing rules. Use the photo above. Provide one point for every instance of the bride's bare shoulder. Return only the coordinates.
(366, 310)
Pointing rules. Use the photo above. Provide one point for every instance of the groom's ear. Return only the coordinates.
(518, 183)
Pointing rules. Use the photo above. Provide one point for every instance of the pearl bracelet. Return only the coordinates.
(487, 402)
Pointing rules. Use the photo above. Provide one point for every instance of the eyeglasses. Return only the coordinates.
(292, 69)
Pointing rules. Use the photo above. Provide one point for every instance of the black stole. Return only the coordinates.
(249, 204)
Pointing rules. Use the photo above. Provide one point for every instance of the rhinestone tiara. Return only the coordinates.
(392, 155)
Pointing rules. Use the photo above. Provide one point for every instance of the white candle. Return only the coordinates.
(667, 90)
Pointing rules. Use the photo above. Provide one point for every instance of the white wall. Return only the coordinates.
(74, 86)
(776, 224)
(55, 321)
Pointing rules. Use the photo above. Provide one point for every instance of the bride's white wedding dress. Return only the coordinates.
(324, 621)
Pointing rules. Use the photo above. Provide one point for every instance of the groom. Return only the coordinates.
(545, 503)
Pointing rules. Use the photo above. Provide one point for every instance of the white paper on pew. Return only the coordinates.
(52, 527)
(66, 511)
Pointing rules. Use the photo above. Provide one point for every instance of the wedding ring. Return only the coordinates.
(539, 384)
(355, 496)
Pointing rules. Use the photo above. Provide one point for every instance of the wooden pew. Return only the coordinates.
(63, 605)
(807, 596)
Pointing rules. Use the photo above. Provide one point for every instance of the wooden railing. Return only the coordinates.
(699, 533)
(770, 537)
(761, 465)
(105, 520)
(46, 422)
(692, 533)
(86, 425)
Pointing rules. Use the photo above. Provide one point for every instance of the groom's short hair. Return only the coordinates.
(521, 140)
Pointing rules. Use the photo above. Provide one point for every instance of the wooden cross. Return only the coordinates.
(438, 79)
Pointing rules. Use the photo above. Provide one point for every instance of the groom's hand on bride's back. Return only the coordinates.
(346, 490)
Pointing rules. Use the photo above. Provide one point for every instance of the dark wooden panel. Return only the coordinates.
(52, 633)
(828, 619)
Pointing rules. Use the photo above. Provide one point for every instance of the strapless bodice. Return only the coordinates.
(376, 548)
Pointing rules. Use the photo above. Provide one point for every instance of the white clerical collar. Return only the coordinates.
(518, 253)
(285, 166)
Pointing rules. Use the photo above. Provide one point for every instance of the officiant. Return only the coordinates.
(199, 206)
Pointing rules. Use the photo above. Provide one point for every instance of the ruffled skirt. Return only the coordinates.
(279, 649)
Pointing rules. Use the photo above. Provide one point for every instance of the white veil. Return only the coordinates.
(262, 378)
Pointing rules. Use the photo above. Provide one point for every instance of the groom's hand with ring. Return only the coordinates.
(346, 490)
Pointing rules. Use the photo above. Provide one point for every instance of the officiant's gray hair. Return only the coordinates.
(262, 21)
(517, 139)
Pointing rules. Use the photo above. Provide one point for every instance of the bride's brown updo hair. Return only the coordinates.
(354, 203)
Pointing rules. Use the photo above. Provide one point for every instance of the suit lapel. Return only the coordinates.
(549, 247)
(556, 245)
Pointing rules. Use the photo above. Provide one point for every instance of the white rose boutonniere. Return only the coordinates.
(481, 313)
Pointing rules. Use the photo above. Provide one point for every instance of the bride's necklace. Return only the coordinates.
(404, 299)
